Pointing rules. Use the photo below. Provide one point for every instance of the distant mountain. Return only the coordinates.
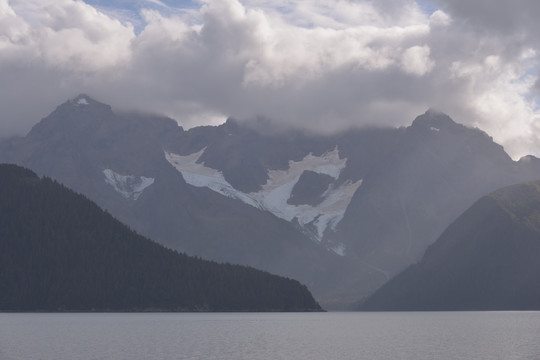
(342, 213)
(488, 259)
(61, 252)
(429, 174)
(123, 163)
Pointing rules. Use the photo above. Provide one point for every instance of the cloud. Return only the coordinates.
(501, 16)
(416, 60)
(497, 67)
(310, 64)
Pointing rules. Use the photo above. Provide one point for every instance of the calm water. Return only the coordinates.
(324, 336)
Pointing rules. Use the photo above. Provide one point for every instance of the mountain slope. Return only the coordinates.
(342, 213)
(433, 172)
(486, 260)
(108, 157)
(59, 251)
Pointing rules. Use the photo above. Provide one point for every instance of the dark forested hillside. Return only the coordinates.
(488, 259)
(59, 251)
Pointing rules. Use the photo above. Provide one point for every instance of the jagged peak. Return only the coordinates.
(84, 106)
(231, 124)
(434, 112)
(85, 101)
(434, 120)
(81, 100)
(81, 109)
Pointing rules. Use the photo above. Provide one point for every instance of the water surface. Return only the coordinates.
(254, 336)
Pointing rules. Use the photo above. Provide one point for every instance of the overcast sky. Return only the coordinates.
(324, 65)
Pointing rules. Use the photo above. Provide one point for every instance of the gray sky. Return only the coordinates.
(316, 64)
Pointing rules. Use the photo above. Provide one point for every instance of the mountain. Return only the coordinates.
(342, 213)
(120, 161)
(61, 252)
(486, 260)
(431, 173)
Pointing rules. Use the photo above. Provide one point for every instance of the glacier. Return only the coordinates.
(274, 194)
(129, 186)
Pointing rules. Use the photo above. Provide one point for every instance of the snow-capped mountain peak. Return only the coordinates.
(81, 100)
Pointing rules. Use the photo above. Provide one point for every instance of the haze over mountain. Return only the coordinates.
(342, 213)
(485, 260)
(312, 64)
(59, 251)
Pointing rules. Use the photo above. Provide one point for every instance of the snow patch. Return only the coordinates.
(82, 101)
(198, 175)
(339, 249)
(129, 186)
(434, 129)
(274, 194)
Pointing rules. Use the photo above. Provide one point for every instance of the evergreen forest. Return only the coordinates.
(61, 252)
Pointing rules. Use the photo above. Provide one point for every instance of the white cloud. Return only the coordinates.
(66, 34)
(324, 66)
(439, 18)
(12, 28)
(498, 93)
(157, 2)
(416, 60)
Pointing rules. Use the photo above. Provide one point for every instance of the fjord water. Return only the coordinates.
(265, 336)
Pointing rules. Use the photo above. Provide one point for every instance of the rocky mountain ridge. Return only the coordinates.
(342, 213)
